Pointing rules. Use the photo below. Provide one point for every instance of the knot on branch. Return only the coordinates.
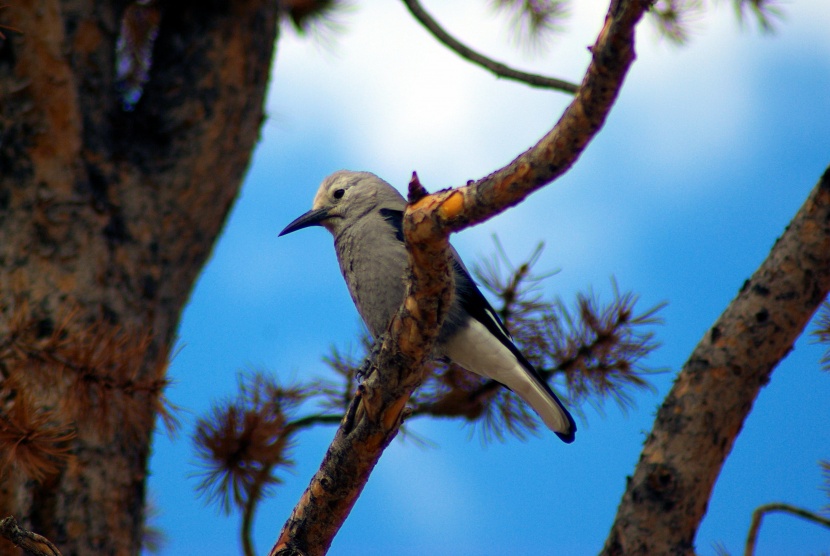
(416, 190)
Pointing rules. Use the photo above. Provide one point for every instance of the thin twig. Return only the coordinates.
(254, 496)
(262, 479)
(761, 511)
(32, 543)
(499, 69)
(311, 420)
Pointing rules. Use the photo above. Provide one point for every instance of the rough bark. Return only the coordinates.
(375, 414)
(703, 413)
(106, 217)
(29, 542)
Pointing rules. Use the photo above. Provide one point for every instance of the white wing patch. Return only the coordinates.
(495, 319)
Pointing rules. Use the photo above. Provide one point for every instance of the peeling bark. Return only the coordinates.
(106, 218)
(697, 424)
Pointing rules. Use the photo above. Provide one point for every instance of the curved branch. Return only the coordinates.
(248, 512)
(499, 69)
(612, 56)
(703, 413)
(761, 511)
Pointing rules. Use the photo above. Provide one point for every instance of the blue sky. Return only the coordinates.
(706, 157)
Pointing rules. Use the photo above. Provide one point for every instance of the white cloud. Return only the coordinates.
(399, 99)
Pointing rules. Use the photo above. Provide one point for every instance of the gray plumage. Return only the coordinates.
(364, 214)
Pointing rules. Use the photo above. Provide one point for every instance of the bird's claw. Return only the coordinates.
(369, 364)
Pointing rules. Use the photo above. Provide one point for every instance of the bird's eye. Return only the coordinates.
(338, 193)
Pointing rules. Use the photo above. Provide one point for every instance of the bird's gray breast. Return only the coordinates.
(373, 262)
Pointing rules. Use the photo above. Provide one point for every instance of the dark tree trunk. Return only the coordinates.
(704, 412)
(106, 218)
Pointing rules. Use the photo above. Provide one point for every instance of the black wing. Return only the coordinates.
(395, 218)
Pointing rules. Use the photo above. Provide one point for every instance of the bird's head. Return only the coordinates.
(343, 198)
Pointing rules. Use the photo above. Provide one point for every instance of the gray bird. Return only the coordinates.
(364, 214)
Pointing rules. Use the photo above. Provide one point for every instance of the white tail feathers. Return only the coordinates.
(477, 350)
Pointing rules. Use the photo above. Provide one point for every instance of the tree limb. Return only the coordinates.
(761, 511)
(31, 542)
(703, 413)
(497, 68)
(375, 414)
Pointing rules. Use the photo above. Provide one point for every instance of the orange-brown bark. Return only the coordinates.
(106, 217)
(697, 424)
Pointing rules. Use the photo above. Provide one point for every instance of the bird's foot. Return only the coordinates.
(370, 363)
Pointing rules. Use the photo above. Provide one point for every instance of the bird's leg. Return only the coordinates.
(370, 363)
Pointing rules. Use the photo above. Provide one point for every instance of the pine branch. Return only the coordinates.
(713, 394)
(244, 441)
(497, 68)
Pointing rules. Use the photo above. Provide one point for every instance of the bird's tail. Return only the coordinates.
(476, 349)
(544, 402)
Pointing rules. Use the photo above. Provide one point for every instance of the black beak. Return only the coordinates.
(311, 218)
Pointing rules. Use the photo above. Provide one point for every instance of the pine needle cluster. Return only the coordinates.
(587, 354)
(593, 352)
(244, 439)
(676, 19)
(533, 23)
(117, 378)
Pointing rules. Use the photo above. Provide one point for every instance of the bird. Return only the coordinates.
(364, 213)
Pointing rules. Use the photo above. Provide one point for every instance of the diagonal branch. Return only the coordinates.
(703, 413)
(375, 414)
(497, 68)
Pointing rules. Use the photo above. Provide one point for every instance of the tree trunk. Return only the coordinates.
(703, 413)
(106, 217)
